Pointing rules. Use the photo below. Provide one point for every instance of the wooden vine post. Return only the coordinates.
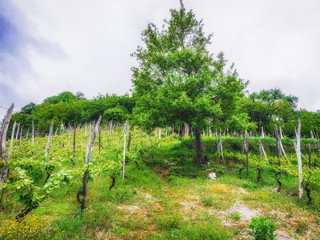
(278, 156)
(99, 133)
(149, 146)
(278, 143)
(318, 143)
(124, 149)
(93, 131)
(48, 142)
(129, 141)
(259, 169)
(309, 155)
(20, 136)
(298, 151)
(219, 148)
(74, 140)
(247, 153)
(3, 137)
(263, 151)
(12, 138)
(17, 133)
(32, 132)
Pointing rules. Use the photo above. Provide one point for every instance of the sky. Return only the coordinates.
(48, 47)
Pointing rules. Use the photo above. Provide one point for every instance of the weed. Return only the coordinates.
(169, 222)
(302, 227)
(30, 227)
(210, 229)
(207, 201)
(235, 216)
(262, 228)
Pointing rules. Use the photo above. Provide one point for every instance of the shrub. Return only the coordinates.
(262, 228)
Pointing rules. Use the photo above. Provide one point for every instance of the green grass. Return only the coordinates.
(164, 198)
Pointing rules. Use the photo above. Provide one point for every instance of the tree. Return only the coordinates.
(176, 80)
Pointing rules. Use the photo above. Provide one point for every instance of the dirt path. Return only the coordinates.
(163, 173)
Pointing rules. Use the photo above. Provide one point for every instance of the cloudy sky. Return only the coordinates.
(47, 47)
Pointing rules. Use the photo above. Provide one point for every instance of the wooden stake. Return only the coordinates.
(3, 137)
(278, 143)
(12, 138)
(99, 139)
(20, 136)
(124, 149)
(309, 155)
(264, 153)
(129, 141)
(247, 153)
(48, 142)
(149, 147)
(74, 140)
(299, 159)
(17, 133)
(32, 132)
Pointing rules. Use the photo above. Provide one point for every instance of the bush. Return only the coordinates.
(262, 228)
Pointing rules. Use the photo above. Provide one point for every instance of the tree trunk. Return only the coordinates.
(3, 138)
(198, 147)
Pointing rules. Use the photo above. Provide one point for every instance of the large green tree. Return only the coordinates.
(177, 79)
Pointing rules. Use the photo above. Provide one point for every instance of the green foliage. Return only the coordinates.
(207, 230)
(235, 216)
(31, 227)
(69, 109)
(262, 228)
(178, 81)
(207, 201)
(169, 221)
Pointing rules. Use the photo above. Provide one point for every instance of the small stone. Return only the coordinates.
(212, 175)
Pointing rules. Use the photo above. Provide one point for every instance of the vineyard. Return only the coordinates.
(188, 154)
(54, 191)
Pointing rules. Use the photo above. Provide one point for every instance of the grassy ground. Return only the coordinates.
(166, 199)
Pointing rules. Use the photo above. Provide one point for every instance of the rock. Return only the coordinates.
(212, 175)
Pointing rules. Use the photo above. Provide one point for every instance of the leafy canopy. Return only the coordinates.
(177, 79)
